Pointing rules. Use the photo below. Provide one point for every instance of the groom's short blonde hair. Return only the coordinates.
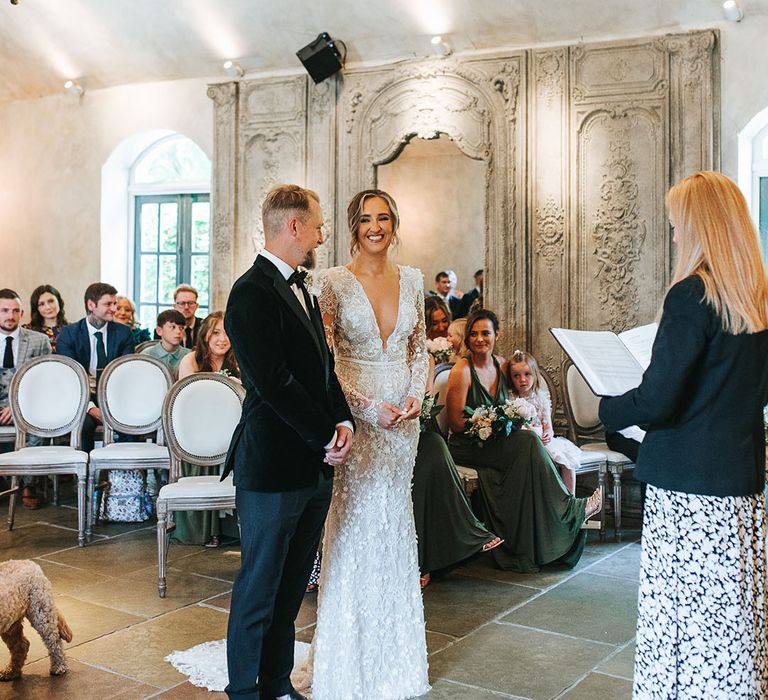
(281, 203)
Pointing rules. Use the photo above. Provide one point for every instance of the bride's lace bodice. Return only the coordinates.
(353, 332)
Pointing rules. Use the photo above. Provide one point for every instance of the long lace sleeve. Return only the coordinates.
(417, 358)
(361, 406)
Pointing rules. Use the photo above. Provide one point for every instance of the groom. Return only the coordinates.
(295, 427)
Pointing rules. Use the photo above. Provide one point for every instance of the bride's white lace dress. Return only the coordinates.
(370, 637)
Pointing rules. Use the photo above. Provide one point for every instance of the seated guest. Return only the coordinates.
(17, 345)
(213, 353)
(447, 530)
(185, 302)
(443, 291)
(125, 313)
(436, 317)
(170, 328)
(46, 308)
(455, 335)
(472, 297)
(525, 500)
(94, 341)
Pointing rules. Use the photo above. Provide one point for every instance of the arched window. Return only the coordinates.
(170, 186)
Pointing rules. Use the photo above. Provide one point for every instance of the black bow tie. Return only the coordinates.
(297, 278)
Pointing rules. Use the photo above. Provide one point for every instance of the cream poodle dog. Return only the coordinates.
(25, 592)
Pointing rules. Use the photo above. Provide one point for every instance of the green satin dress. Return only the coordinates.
(524, 499)
(446, 528)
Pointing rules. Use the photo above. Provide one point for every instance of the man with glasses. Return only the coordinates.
(185, 301)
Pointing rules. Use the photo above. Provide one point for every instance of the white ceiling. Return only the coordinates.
(103, 43)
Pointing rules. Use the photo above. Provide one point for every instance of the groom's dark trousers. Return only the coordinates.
(293, 403)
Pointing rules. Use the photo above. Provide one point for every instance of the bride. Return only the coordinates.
(370, 638)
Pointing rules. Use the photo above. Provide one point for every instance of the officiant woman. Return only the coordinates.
(701, 628)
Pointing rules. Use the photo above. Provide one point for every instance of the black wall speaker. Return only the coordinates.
(321, 57)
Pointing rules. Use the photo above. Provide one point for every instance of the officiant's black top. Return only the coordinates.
(702, 400)
(293, 400)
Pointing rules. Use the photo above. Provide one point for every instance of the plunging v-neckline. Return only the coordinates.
(384, 342)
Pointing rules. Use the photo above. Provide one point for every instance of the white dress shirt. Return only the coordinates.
(286, 271)
(91, 331)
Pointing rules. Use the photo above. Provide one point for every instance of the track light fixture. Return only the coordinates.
(233, 69)
(440, 47)
(74, 88)
(732, 11)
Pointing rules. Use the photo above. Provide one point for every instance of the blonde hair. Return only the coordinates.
(717, 241)
(519, 357)
(281, 202)
(355, 213)
(459, 327)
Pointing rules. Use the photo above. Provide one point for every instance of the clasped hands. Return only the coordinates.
(389, 416)
(336, 454)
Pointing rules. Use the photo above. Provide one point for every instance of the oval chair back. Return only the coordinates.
(33, 386)
(440, 388)
(200, 414)
(581, 405)
(131, 395)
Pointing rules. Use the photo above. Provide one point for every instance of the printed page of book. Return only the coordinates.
(639, 342)
(603, 360)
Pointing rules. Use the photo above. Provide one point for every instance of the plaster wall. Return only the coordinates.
(52, 151)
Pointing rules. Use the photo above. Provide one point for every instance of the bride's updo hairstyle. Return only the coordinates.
(355, 213)
(480, 315)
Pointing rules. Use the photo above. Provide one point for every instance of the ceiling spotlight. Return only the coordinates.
(233, 69)
(732, 11)
(73, 87)
(440, 47)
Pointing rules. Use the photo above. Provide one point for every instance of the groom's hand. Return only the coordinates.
(338, 453)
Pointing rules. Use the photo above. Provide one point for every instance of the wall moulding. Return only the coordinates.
(578, 144)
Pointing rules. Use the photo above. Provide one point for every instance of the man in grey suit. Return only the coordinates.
(17, 345)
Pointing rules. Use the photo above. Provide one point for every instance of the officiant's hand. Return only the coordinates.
(412, 408)
(388, 416)
(338, 453)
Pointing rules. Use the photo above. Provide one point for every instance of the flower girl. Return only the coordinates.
(527, 383)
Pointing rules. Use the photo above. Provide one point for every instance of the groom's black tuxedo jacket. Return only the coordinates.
(293, 399)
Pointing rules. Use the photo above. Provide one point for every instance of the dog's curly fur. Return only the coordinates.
(26, 592)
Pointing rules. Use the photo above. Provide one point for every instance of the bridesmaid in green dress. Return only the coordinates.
(525, 500)
(213, 353)
(447, 530)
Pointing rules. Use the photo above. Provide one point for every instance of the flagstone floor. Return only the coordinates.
(491, 634)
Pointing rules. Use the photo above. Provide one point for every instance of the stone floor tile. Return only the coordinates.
(456, 605)
(597, 686)
(68, 579)
(437, 642)
(38, 539)
(136, 593)
(187, 691)
(306, 635)
(621, 664)
(593, 607)
(308, 611)
(140, 651)
(623, 564)
(223, 562)
(119, 555)
(87, 621)
(446, 690)
(83, 682)
(222, 601)
(519, 661)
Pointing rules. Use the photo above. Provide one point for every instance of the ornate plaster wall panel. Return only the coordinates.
(476, 104)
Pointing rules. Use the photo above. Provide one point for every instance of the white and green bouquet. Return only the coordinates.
(492, 422)
(429, 410)
(440, 348)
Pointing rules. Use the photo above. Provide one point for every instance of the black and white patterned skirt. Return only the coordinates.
(702, 602)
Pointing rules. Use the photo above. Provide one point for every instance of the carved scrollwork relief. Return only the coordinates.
(550, 75)
(618, 234)
(507, 82)
(550, 226)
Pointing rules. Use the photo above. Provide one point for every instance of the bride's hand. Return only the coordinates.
(412, 408)
(388, 416)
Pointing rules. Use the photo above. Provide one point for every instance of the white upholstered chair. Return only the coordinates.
(7, 433)
(48, 398)
(586, 430)
(144, 345)
(200, 414)
(131, 395)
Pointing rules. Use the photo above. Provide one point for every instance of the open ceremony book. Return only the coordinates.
(611, 364)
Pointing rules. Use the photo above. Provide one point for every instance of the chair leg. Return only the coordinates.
(90, 509)
(602, 483)
(162, 545)
(12, 501)
(55, 489)
(617, 502)
(82, 511)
